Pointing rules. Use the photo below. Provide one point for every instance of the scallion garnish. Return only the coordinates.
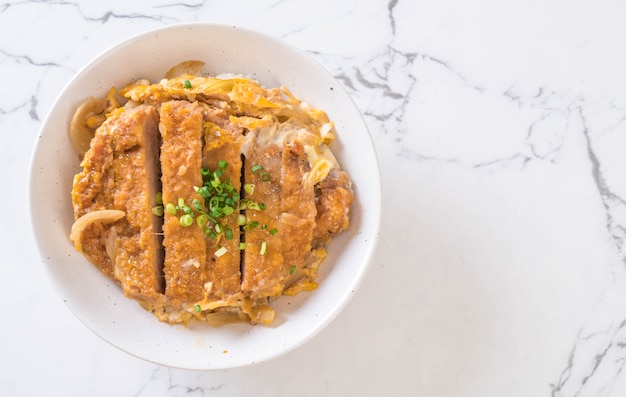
(221, 251)
(241, 219)
(186, 220)
(263, 248)
(292, 270)
(251, 205)
(251, 225)
(219, 199)
(187, 84)
(273, 231)
(229, 233)
(196, 204)
(171, 209)
(202, 220)
(265, 176)
(249, 188)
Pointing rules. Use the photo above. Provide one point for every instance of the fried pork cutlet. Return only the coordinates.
(185, 265)
(120, 172)
(250, 195)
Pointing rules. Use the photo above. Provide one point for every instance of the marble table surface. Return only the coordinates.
(500, 130)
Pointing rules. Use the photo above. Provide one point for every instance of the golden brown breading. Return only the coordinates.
(119, 172)
(185, 267)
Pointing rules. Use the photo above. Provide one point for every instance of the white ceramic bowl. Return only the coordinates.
(99, 303)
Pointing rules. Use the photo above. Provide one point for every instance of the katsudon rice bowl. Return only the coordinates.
(256, 319)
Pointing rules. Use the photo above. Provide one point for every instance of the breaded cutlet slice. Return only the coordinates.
(185, 264)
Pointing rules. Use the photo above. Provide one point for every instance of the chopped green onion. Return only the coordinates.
(252, 205)
(256, 168)
(217, 199)
(261, 206)
(214, 202)
(263, 248)
(186, 220)
(196, 204)
(242, 246)
(187, 84)
(216, 213)
(202, 220)
(211, 218)
(273, 231)
(249, 188)
(198, 308)
(170, 208)
(292, 270)
(203, 191)
(241, 219)
(158, 197)
(252, 225)
(157, 210)
(265, 176)
(221, 251)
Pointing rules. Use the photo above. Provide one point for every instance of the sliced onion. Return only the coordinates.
(101, 216)
(186, 67)
(111, 245)
(265, 315)
(80, 134)
(88, 117)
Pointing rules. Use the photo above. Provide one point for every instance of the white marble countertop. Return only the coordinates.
(500, 129)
